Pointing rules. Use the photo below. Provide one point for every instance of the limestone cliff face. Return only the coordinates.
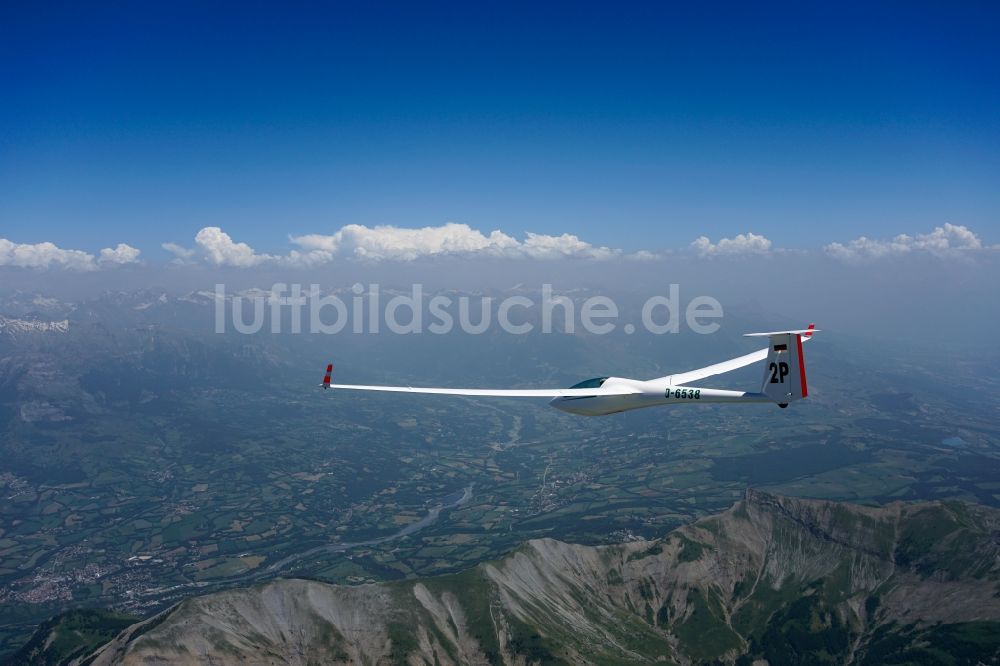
(837, 578)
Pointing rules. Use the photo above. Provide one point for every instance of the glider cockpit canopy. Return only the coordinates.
(596, 382)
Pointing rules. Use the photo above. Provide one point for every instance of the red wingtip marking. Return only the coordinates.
(810, 328)
(802, 367)
(329, 371)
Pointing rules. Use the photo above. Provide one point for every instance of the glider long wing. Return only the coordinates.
(499, 393)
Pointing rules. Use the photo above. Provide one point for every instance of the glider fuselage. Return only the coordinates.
(647, 394)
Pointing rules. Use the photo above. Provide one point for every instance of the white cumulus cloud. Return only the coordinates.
(949, 240)
(540, 246)
(222, 250)
(402, 244)
(50, 255)
(748, 243)
(386, 242)
(43, 255)
(121, 254)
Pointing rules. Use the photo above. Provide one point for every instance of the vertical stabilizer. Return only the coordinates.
(785, 368)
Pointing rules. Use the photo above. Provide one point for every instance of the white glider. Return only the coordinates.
(784, 382)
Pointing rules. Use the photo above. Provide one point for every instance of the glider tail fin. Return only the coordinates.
(785, 368)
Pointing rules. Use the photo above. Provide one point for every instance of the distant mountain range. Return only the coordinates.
(791, 581)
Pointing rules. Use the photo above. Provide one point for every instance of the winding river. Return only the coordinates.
(449, 502)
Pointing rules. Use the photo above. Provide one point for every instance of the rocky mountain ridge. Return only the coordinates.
(776, 578)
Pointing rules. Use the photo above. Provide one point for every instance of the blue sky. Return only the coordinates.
(632, 125)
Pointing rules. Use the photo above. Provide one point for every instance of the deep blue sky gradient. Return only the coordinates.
(636, 125)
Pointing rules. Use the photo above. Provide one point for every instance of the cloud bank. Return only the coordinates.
(357, 242)
(392, 243)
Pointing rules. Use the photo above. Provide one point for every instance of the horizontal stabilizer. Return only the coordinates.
(806, 332)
